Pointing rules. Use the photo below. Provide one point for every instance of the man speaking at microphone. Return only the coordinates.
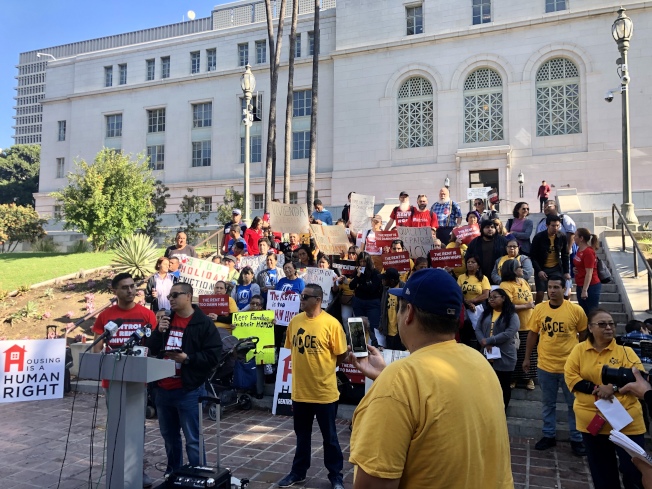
(129, 316)
(191, 339)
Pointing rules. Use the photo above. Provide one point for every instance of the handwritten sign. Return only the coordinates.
(322, 277)
(450, 257)
(477, 193)
(467, 233)
(259, 324)
(418, 241)
(282, 404)
(284, 304)
(289, 218)
(202, 275)
(361, 211)
(257, 263)
(215, 304)
(400, 261)
(331, 240)
(385, 238)
(346, 267)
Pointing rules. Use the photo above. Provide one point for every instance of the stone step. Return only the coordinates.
(529, 428)
(604, 297)
(520, 394)
(532, 410)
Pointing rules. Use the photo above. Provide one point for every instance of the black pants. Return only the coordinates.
(542, 202)
(505, 378)
(394, 343)
(604, 465)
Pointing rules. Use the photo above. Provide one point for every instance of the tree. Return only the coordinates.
(312, 156)
(287, 169)
(191, 215)
(19, 223)
(232, 200)
(19, 167)
(159, 201)
(108, 199)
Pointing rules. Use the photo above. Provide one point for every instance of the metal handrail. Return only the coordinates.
(637, 251)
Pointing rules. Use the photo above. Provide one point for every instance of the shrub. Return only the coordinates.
(80, 246)
(19, 223)
(136, 255)
(45, 246)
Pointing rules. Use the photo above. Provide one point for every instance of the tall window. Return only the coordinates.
(108, 76)
(300, 144)
(255, 149)
(165, 67)
(208, 204)
(555, 5)
(150, 64)
(301, 103)
(243, 54)
(481, 11)
(58, 213)
(211, 59)
(114, 126)
(294, 197)
(415, 113)
(259, 202)
(311, 43)
(156, 155)
(156, 120)
(261, 52)
(297, 46)
(558, 98)
(61, 162)
(123, 74)
(195, 61)
(414, 20)
(201, 153)
(483, 106)
(202, 115)
(62, 131)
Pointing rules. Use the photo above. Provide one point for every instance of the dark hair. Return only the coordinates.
(399, 241)
(180, 232)
(633, 325)
(185, 287)
(316, 289)
(357, 250)
(591, 239)
(508, 270)
(432, 323)
(368, 262)
(517, 208)
(119, 278)
(255, 222)
(420, 260)
(242, 272)
(557, 278)
(274, 255)
(288, 262)
(258, 297)
(478, 274)
(590, 316)
(306, 248)
(552, 218)
(506, 312)
(159, 261)
(216, 257)
(239, 244)
(174, 258)
(325, 257)
(471, 213)
(265, 240)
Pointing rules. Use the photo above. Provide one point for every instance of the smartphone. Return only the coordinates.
(357, 337)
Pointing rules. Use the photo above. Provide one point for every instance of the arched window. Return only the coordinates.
(483, 106)
(558, 98)
(415, 114)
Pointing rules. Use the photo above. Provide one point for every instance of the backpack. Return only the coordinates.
(603, 272)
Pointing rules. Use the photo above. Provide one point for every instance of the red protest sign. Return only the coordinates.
(216, 304)
(451, 257)
(353, 374)
(467, 233)
(400, 261)
(385, 238)
(346, 267)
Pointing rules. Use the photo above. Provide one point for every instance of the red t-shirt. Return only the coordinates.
(583, 260)
(424, 219)
(177, 327)
(251, 236)
(131, 319)
(402, 218)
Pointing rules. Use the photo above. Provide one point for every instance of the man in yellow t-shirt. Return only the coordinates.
(318, 345)
(556, 324)
(440, 409)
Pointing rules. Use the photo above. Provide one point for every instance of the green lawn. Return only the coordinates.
(30, 268)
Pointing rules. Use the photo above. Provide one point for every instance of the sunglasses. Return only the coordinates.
(604, 324)
(174, 295)
(305, 297)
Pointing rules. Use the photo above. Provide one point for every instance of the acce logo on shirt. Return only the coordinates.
(305, 343)
(553, 327)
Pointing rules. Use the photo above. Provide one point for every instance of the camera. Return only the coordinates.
(609, 96)
(620, 376)
(625, 79)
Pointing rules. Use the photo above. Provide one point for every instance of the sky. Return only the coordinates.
(37, 24)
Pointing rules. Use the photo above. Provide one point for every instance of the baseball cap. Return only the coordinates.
(390, 274)
(229, 258)
(403, 194)
(237, 211)
(432, 290)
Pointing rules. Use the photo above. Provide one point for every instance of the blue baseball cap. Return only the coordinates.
(432, 290)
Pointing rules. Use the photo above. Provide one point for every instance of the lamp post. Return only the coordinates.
(248, 85)
(447, 182)
(622, 30)
(521, 181)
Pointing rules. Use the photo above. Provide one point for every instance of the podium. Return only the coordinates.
(126, 410)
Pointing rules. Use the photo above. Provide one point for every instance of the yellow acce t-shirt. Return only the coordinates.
(471, 286)
(520, 293)
(315, 344)
(557, 328)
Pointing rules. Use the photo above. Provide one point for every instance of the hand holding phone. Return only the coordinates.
(357, 337)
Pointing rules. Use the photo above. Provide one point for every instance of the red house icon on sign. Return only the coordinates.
(15, 356)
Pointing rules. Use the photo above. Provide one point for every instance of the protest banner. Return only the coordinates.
(353, 374)
(450, 257)
(322, 277)
(385, 238)
(361, 211)
(32, 370)
(202, 275)
(214, 304)
(284, 304)
(282, 404)
(259, 324)
(418, 241)
(477, 193)
(400, 261)
(289, 218)
(257, 263)
(467, 233)
(346, 267)
(331, 240)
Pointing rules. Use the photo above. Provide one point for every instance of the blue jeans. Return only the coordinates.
(593, 299)
(550, 384)
(304, 413)
(178, 410)
(601, 455)
(371, 309)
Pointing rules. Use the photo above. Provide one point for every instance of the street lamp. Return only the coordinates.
(521, 181)
(622, 30)
(38, 55)
(447, 182)
(248, 85)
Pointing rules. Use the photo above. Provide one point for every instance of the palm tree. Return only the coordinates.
(312, 157)
(288, 108)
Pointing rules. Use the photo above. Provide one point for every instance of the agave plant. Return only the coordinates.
(136, 255)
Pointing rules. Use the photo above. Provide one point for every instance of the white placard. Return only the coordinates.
(418, 241)
(361, 211)
(322, 277)
(282, 404)
(289, 218)
(202, 275)
(477, 193)
(284, 304)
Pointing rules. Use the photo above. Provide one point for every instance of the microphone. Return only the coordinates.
(136, 337)
(110, 329)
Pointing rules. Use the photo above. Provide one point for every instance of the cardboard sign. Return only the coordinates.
(284, 304)
(331, 240)
(467, 233)
(418, 241)
(385, 238)
(289, 218)
(259, 324)
(322, 277)
(282, 404)
(214, 304)
(477, 193)
(361, 211)
(400, 261)
(32, 370)
(450, 257)
(202, 275)
(346, 267)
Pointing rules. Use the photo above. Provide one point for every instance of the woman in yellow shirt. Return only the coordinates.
(583, 375)
(475, 290)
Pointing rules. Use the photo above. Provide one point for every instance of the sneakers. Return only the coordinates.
(147, 480)
(290, 480)
(578, 448)
(530, 385)
(546, 442)
(512, 385)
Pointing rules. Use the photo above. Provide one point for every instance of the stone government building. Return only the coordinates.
(410, 92)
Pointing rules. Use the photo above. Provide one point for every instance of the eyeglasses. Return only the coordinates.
(174, 295)
(305, 297)
(604, 324)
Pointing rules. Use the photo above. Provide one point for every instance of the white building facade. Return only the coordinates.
(409, 93)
